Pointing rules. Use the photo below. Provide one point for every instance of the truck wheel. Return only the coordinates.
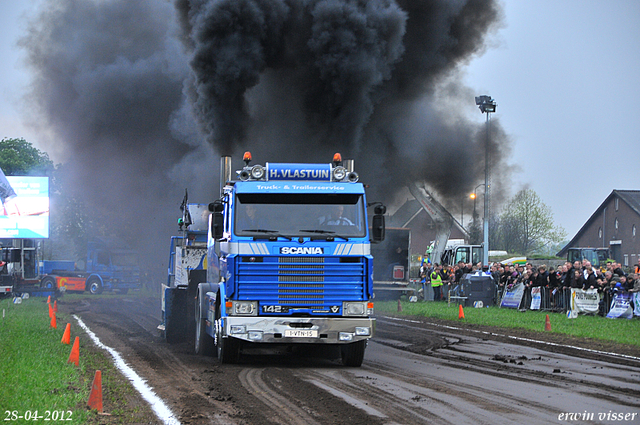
(204, 342)
(228, 349)
(353, 354)
(95, 286)
(48, 282)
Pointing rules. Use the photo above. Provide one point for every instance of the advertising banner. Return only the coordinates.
(25, 215)
(621, 306)
(584, 301)
(636, 301)
(512, 296)
(535, 298)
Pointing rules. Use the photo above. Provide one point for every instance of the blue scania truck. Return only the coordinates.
(282, 259)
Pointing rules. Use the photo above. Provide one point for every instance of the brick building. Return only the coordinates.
(613, 225)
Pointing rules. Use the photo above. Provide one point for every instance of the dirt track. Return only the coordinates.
(415, 372)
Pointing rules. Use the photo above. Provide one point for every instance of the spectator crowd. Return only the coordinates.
(447, 280)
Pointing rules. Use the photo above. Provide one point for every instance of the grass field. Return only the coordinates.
(35, 375)
(621, 331)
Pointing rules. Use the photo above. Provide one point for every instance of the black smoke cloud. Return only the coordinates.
(141, 97)
(107, 79)
(335, 54)
(299, 79)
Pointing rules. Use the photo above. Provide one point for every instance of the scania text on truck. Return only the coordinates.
(288, 263)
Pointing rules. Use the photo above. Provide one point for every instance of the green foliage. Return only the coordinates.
(18, 157)
(475, 233)
(525, 226)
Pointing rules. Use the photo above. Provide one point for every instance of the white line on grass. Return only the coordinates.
(159, 407)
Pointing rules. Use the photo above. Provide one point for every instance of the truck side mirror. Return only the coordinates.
(378, 225)
(217, 219)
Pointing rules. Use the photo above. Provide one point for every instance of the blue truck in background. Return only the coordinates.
(108, 265)
(281, 260)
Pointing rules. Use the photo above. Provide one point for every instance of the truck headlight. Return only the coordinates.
(345, 336)
(255, 335)
(363, 331)
(257, 172)
(237, 329)
(244, 308)
(354, 308)
(339, 173)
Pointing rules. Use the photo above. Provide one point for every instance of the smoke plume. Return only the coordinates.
(139, 98)
(375, 80)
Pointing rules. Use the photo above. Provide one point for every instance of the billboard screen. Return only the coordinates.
(26, 215)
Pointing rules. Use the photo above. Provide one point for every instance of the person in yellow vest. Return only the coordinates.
(436, 282)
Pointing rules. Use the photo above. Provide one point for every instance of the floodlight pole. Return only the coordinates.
(487, 105)
(485, 221)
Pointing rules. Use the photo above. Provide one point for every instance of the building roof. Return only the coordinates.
(630, 197)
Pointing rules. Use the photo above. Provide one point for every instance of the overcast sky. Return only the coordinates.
(564, 75)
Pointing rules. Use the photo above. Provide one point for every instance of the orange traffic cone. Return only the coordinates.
(55, 306)
(50, 311)
(49, 300)
(547, 324)
(460, 312)
(74, 357)
(54, 324)
(66, 337)
(95, 396)
(399, 306)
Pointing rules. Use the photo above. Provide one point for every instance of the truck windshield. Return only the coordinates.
(297, 215)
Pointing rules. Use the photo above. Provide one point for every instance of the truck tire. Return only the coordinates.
(228, 349)
(95, 286)
(48, 282)
(203, 342)
(353, 354)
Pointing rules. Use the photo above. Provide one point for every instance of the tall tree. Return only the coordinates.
(526, 224)
(18, 157)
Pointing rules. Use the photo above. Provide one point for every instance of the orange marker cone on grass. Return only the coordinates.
(55, 306)
(547, 324)
(54, 323)
(50, 311)
(66, 337)
(74, 357)
(460, 312)
(95, 396)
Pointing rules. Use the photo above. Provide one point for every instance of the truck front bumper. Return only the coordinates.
(299, 330)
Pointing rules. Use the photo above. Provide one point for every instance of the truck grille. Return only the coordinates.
(302, 282)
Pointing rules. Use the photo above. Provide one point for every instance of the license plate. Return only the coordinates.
(300, 333)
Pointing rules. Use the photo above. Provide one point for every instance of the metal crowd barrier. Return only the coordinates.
(559, 300)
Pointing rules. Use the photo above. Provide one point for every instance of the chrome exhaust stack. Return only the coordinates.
(225, 172)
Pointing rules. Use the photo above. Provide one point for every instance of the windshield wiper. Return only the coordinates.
(330, 234)
(271, 233)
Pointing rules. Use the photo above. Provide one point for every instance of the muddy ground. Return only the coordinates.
(415, 371)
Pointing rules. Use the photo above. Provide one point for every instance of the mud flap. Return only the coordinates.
(175, 315)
